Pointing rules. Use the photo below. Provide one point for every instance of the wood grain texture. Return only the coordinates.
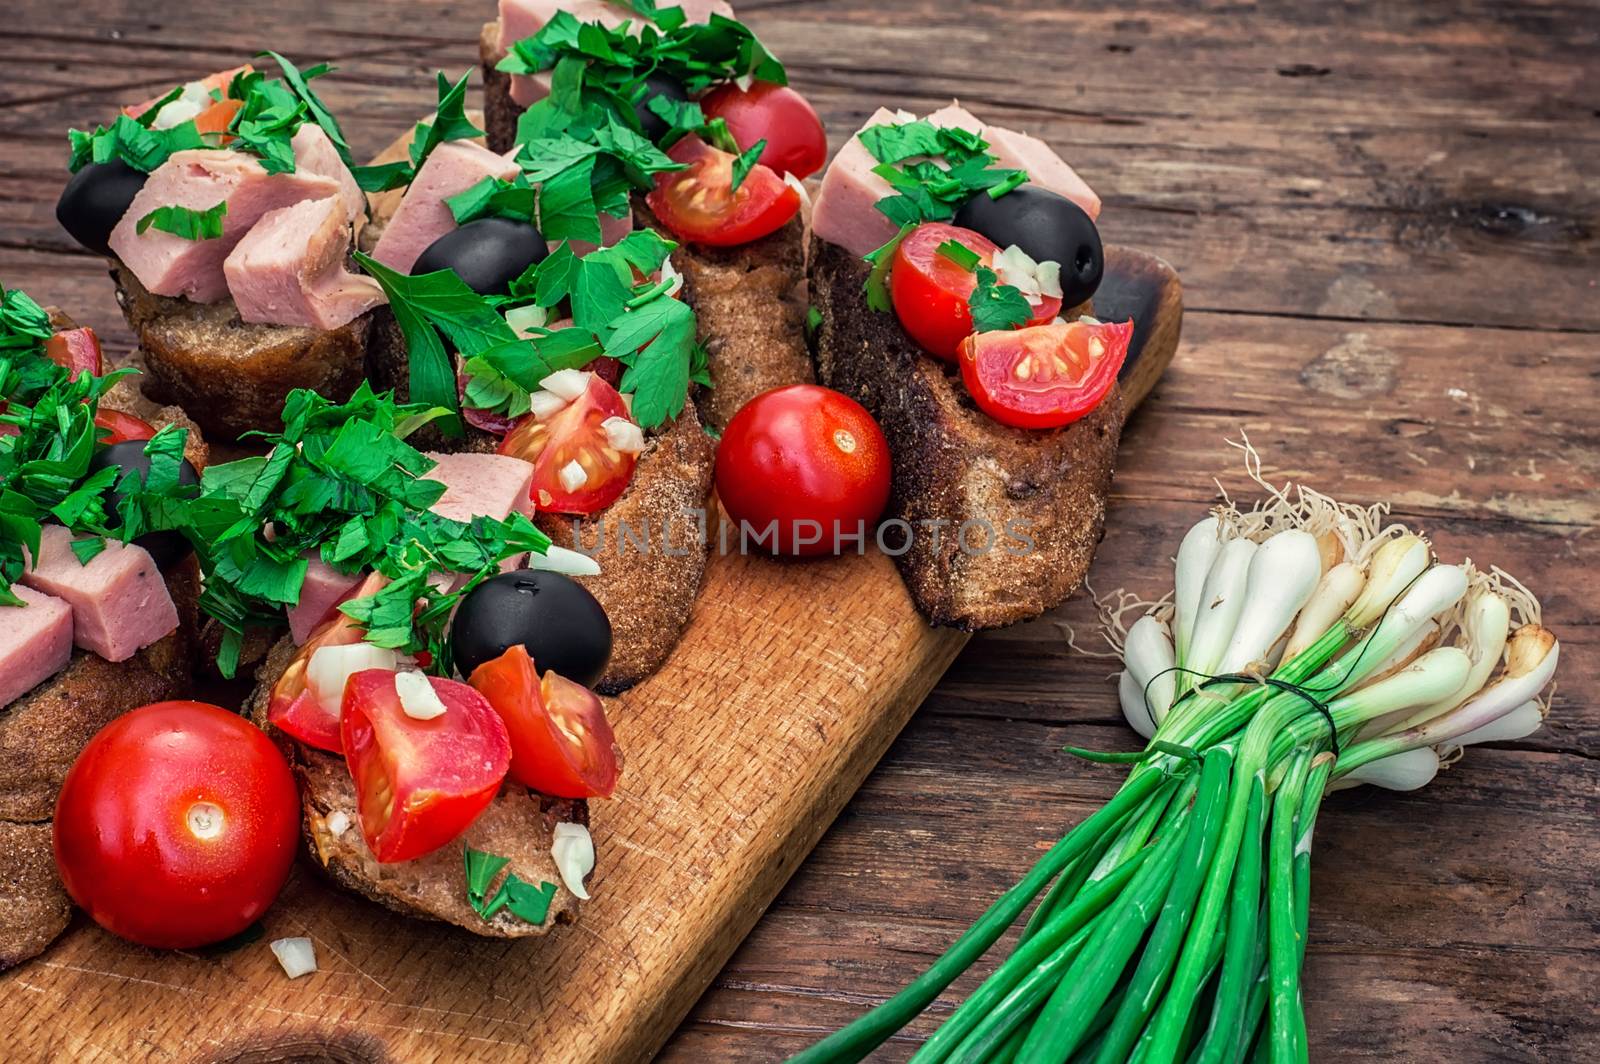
(1386, 219)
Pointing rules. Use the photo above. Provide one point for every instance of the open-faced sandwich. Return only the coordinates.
(952, 265)
(560, 338)
(693, 82)
(97, 602)
(228, 208)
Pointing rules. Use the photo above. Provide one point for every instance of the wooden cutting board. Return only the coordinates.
(789, 684)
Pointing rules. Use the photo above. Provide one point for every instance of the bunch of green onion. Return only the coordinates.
(1305, 647)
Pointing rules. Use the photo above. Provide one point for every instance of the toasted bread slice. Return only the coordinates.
(41, 734)
(519, 824)
(1005, 521)
(229, 375)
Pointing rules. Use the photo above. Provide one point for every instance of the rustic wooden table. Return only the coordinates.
(1388, 223)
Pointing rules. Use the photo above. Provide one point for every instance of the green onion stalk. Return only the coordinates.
(1307, 646)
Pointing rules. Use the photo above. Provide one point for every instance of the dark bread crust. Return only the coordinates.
(230, 376)
(649, 592)
(519, 824)
(34, 908)
(500, 111)
(954, 464)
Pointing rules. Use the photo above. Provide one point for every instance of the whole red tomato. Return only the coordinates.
(177, 825)
(796, 142)
(809, 464)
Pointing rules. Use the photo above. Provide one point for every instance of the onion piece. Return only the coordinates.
(545, 405)
(567, 383)
(296, 955)
(572, 848)
(623, 435)
(330, 668)
(572, 476)
(418, 699)
(527, 321)
(564, 560)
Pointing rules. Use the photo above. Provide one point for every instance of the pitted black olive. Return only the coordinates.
(1049, 227)
(560, 623)
(95, 200)
(487, 254)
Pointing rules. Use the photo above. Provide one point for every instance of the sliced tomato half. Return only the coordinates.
(420, 783)
(76, 349)
(931, 290)
(292, 708)
(561, 742)
(120, 427)
(572, 441)
(1045, 376)
(701, 205)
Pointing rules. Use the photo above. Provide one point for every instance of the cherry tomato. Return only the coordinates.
(420, 783)
(177, 825)
(1045, 376)
(292, 708)
(561, 742)
(574, 434)
(76, 349)
(811, 460)
(120, 427)
(796, 143)
(930, 290)
(701, 205)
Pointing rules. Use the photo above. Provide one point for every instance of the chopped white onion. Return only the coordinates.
(337, 823)
(669, 272)
(1049, 275)
(296, 955)
(573, 850)
(331, 667)
(799, 187)
(545, 405)
(524, 321)
(564, 560)
(623, 435)
(567, 383)
(417, 696)
(572, 476)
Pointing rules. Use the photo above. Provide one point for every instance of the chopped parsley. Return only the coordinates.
(877, 283)
(997, 306)
(449, 123)
(746, 162)
(185, 222)
(133, 142)
(528, 902)
(960, 254)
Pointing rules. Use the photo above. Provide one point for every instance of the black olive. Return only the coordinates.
(95, 200)
(657, 85)
(165, 547)
(487, 254)
(1048, 227)
(562, 626)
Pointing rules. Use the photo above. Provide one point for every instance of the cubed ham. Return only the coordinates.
(315, 154)
(35, 642)
(324, 588)
(119, 602)
(290, 269)
(524, 18)
(482, 485)
(423, 217)
(199, 179)
(845, 209)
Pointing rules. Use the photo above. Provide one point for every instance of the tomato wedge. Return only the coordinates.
(121, 427)
(292, 708)
(561, 742)
(420, 783)
(77, 350)
(1045, 376)
(574, 434)
(796, 141)
(930, 290)
(701, 205)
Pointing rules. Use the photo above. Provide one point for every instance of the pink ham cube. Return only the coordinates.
(290, 269)
(119, 602)
(324, 588)
(315, 154)
(482, 485)
(199, 179)
(35, 642)
(423, 217)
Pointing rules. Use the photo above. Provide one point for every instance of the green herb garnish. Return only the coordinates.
(449, 123)
(528, 902)
(185, 222)
(997, 306)
(877, 283)
(932, 170)
(746, 162)
(960, 254)
(127, 139)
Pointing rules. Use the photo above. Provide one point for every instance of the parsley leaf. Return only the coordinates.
(877, 283)
(127, 139)
(299, 83)
(933, 170)
(960, 254)
(449, 123)
(185, 222)
(746, 162)
(997, 306)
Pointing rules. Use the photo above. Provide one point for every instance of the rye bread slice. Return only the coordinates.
(229, 375)
(956, 465)
(518, 824)
(41, 734)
